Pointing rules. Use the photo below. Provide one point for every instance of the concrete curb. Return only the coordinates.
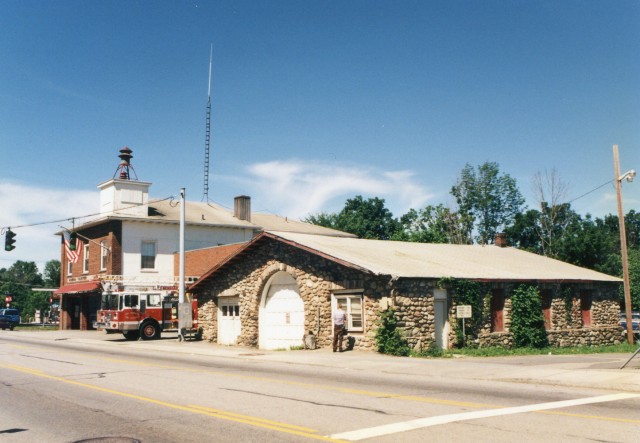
(593, 371)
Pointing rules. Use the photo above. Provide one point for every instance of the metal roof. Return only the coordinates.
(211, 214)
(427, 260)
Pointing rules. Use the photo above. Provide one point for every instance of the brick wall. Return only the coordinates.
(109, 232)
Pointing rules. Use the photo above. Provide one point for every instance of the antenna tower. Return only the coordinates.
(207, 137)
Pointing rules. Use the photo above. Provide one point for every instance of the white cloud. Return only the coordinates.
(297, 188)
(35, 215)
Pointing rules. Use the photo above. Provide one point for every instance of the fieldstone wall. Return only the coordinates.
(413, 300)
(566, 328)
(317, 280)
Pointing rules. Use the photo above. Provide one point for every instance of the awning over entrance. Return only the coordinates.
(77, 288)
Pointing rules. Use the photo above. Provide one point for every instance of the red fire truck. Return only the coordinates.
(146, 315)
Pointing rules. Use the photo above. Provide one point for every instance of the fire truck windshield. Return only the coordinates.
(109, 301)
(131, 301)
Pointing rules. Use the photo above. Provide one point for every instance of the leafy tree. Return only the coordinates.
(588, 242)
(364, 218)
(544, 231)
(527, 320)
(51, 274)
(326, 219)
(18, 281)
(634, 277)
(488, 201)
(433, 224)
(523, 233)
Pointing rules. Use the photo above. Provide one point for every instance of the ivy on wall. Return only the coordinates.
(527, 320)
(472, 293)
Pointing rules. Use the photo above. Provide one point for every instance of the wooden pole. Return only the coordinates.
(623, 246)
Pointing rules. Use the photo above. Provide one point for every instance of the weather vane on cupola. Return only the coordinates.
(125, 166)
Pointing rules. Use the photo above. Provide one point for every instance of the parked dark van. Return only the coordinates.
(9, 318)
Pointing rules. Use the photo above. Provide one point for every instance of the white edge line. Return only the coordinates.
(442, 419)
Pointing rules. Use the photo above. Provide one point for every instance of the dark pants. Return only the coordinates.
(338, 334)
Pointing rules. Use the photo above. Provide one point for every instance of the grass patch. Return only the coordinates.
(36, 327)
(624, 348)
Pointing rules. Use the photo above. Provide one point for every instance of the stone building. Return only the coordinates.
(131, 243)
(280, 288)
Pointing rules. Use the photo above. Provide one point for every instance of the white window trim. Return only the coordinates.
(85, 259)
(69, 267)
(155, 255)
(348, 295)
(103, 255)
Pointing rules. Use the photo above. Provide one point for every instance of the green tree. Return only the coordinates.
(634, 277)
(523, 233)
(488, 201)
(589, 242)
(527, 321)
(18, 281)
(433, 224)
(364, 218)
(51, 274)
(543, 231)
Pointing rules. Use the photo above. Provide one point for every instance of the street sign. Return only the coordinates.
(463, 311)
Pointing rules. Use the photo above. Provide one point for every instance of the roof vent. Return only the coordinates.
(242, 207)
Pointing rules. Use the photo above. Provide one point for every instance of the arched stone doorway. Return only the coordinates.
(281, 315)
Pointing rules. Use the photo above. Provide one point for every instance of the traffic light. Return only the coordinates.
(9, 240)
(73, 240)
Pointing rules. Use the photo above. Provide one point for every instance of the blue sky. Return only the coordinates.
(313, 102)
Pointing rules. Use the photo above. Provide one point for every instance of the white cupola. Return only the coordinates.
(124, 195)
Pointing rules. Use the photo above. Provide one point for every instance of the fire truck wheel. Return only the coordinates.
(149, 331)
(131, 335)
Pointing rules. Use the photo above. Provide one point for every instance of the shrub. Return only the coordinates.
(389, 339)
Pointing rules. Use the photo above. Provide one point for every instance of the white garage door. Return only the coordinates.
(281, 320)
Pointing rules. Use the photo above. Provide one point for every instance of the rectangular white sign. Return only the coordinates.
(463, 311)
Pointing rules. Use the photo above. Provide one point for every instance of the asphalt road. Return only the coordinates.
(75, 386)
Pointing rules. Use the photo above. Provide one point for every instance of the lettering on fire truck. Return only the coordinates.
(143, 314)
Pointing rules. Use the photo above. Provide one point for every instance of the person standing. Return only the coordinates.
(339, 318)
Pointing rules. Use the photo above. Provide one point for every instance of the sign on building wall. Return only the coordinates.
(463, 311)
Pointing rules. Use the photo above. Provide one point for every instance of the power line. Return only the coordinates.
(593, 190)
(81, 216)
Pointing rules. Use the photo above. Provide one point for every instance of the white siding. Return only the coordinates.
(167, 241)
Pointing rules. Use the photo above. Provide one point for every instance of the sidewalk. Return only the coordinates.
(600, 371)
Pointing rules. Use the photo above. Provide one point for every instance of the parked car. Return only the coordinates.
(9, 318)
(635, 321)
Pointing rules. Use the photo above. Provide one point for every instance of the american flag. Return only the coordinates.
(72, 256)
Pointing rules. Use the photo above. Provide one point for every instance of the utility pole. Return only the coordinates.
(623, 239)
(185, 312)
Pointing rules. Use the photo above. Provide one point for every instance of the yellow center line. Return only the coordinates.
(223, 415)
(254, 419)
(593, 417)
(376, 394)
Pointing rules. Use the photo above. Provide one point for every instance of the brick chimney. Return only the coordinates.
(242, 207)
(501, 240)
